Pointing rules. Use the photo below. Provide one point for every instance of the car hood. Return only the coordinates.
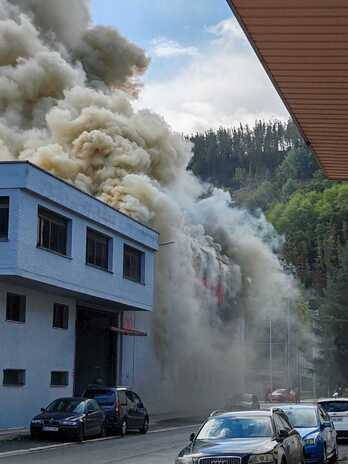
(57, 416)
(307, 431)
(234, 445)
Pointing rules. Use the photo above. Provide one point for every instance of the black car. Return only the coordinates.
(123, 409)
(75, 418)
(243, 402)
(253, 437)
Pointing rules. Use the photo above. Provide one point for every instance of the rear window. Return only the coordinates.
(335, 406)
(103, 397)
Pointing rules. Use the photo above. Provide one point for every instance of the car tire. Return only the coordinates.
(81, 434)
(35, 436)
(145, 428)
(123, 428)
(324, 455)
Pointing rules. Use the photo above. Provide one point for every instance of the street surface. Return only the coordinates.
(157, 447)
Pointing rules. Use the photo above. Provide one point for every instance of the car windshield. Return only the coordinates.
(335, 406)
(103, 397)
(67, 405)
(302, 417)
(224, 428)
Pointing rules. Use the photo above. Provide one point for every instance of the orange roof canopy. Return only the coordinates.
(303, 46)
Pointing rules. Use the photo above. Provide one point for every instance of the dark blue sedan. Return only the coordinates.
(317, 431)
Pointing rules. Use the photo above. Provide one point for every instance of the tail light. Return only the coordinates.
(117, 408)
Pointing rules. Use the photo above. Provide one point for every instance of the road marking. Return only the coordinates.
(20, 452)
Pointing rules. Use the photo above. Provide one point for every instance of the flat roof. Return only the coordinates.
(25, 175)
(303, 46)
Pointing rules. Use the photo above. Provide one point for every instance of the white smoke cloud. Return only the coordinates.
(53, 115)
(221, 85)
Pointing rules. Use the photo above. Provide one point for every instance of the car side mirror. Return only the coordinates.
(140, 405)
(42, 409)
(325, 425)
(283, 434)
(192, 437)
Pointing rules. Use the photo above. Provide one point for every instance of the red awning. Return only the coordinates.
(129, 332)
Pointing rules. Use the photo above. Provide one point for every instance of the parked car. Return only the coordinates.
(317, 431)
(255, 437)
(282, 395)
(75, 418)
(337, 409)
(124, 410)
(243, 402)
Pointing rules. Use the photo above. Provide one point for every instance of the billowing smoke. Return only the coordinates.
(65, 105)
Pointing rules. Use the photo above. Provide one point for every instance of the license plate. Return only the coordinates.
(337, 419)
(50, 429)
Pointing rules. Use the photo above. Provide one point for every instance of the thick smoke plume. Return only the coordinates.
(65, 105)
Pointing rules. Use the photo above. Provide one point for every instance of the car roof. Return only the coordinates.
(324, 400)
(258, 413)
(298, 406)
(105, 387)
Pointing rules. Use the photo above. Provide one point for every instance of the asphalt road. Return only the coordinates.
(157, 447)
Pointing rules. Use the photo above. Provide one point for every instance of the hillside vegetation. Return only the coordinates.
(269, 168)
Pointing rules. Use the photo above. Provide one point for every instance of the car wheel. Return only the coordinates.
(324, 455)
(124, 428)
(145, 428)
(81, 434)
(35, 436)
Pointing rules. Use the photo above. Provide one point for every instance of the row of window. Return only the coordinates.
(53, 235)
(16, 311)
(16, 378)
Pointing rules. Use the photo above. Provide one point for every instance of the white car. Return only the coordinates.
(337, 409)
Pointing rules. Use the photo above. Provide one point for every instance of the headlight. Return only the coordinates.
(260, 458)
(309, 441)
(184, 460)
(36, 421)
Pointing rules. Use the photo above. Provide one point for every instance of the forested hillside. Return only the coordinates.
(269, 168)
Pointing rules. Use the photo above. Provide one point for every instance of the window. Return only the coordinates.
(4, 215)
(59, 378)
(92, 406)
(14, 377)
(15, 307)
(60, 316)
(132, 264)
(53, 231)
(97, 249)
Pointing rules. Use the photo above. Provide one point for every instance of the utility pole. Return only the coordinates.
(270, 355)
(288, 354)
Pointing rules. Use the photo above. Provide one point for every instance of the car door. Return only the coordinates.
(296, 440)
(328, 432)
(92, 418)
(131, 410)
(289, 442)
(140, 410)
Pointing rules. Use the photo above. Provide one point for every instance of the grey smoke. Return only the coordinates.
(55, 114)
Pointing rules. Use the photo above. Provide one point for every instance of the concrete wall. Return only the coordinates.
(29, 188)
(38, 348)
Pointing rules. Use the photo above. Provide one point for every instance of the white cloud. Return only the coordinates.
(224, 84)
(164, 48)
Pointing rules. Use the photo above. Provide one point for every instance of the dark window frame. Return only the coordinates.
(139, 275)
(64, 383)
(21, 376)
(4, 219)
(50, 219)
(98, 238)
(60, 321)
(21, 311)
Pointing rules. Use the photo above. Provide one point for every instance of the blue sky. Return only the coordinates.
(203, 72)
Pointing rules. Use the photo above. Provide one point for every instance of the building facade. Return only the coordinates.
(72, 270)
